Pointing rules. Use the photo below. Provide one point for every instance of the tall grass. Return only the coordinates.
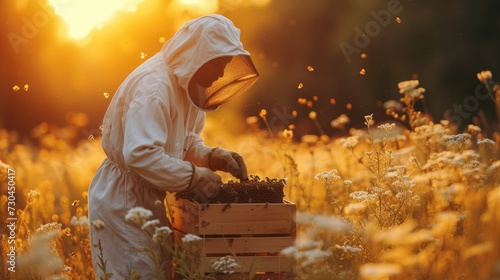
(413, 199)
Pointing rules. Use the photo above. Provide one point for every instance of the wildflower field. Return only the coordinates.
(415, 198)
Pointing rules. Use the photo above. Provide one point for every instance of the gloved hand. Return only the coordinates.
(228, 161)
(204, 182)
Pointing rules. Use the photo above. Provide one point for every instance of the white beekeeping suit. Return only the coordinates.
(151, 137)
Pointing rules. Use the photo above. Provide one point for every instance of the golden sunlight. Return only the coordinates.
(81, 17)
(190, 2)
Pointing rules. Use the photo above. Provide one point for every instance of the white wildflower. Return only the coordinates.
(33, 195)
(407, 85)
(362, 196)
(458, 140)
(340, 122)
(327, 177)
(161, 235)
(290, 251)
(225, 265)
(42, 246)
(437, 161)
(393, 105)
(485, 142)
(150, 226)
(369, 120)
(395, 235)
(473, 129)
(355, 208)
(347, 184)
(287, 134)
(138, 215)
(329, 223)
(49, 227)
(312, 257)
(386, 127)
(305, 243)
(415, 93)
(188, 238)
(348, 249)
(98, 224)
(81, 221)
(494, 168)
(349, 142)
(484, 76)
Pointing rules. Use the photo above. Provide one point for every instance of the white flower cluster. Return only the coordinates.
(409, 89)
(327, 177)
(225, 265)
(362, 196)
(340, 122)
(354, 209)
(33, 195)
(42, 253)
(407, 85)
(98, 224)
(458, 140)
(49, 227)
(438, 160)
(192, 243)
(161, 234)
(150, 225)
(141, 217)
(484, 76)
(138, 215)
(494, 168)
(486, 142)
(81, 221)
(350, 142)
(369, 120)
(328, 223)
(386, 127)
(306, 252)
(348, 249)
(188, 238)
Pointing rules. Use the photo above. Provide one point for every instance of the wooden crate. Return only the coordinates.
(254, 233)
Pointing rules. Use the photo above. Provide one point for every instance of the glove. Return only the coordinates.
(228, 161)
(204, 182)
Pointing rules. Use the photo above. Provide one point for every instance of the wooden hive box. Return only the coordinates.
(254, 233)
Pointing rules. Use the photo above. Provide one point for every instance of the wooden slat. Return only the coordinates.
(247, 245)
(242, 245)
(239, 218)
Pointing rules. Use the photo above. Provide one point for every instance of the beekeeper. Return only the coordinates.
(151, 137)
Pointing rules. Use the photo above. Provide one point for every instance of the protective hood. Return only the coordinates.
(198, 42)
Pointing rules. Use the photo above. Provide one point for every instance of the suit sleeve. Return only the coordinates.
(145, 135)
(197, 152)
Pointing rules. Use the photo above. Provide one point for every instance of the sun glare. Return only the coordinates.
(83, 16)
